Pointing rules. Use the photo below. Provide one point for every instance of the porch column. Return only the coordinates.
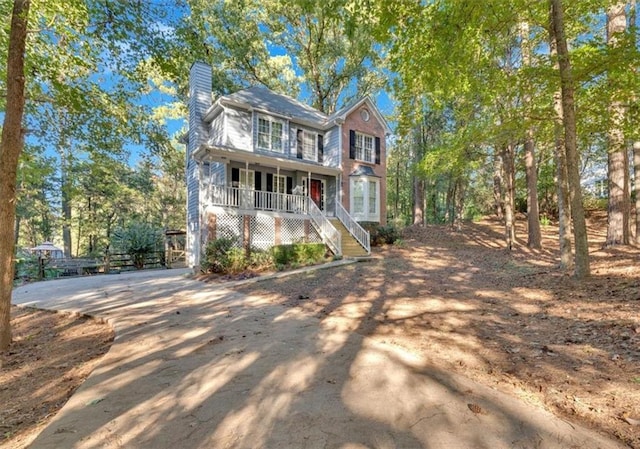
(306, 231)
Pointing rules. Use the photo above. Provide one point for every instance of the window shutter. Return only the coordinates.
(289, 184)
(269, 182)
(352, 144)
(320, 148)
(377, 150)
(258, 180)
(235, 176)
(299, 144)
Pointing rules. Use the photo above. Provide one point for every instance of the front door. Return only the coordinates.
(316, 193)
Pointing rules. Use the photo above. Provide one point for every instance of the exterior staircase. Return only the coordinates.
(350, 246)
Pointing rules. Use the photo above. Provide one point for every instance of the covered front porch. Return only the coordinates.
(279, 200)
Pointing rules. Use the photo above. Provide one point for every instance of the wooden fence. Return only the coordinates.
(110, 263)
(117, 262)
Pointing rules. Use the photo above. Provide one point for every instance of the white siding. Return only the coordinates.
(217, 131)
(239, 129)
(332, 147)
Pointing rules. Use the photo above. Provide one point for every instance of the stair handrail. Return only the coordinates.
(358, 232)
(330, 235)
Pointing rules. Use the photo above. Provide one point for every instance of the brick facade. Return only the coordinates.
(373, 127)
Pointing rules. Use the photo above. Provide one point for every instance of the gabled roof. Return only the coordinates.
(262, 98)
(342, 113)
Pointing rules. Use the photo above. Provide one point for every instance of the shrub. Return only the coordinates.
(26, 267)
(235, 261)
(216, 255)
(138, 240)
(298, 254)
(380, 235)
(261, 260)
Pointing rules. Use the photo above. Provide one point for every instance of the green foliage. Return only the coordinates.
(261, 260)
(225, 256)
(545, 221)
(138, 240)
(216, 259)
(235, 260)
(594, 203)
(26, 267)
(298, 254)
(381, 235)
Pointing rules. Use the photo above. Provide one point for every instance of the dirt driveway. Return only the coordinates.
(196, 365)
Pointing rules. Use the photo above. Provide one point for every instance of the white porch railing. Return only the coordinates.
(330, 235)
(257, 199)
(354, 228)
(278, 202)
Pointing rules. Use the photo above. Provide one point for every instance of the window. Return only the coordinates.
(309, 146)
(358, 197)
(365, 198)
(270, 134)
(279, 184)
(373, 197)
(364, 147)
(247, 179)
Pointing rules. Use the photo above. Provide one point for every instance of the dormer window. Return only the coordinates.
(270, 134)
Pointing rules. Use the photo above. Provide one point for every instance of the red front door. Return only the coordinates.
(316, 192)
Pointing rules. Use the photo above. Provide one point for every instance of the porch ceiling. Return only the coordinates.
(226, 155)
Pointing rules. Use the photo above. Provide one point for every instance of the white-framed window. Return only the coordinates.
(279, 184)
(270, 134)
(247, 179)
(365, 198)
(364, 147)
(357, 193)
(309, 146)
(373, 197)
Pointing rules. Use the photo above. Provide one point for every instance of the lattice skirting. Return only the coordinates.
(260, 231)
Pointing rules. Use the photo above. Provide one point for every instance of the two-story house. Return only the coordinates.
(266, 169)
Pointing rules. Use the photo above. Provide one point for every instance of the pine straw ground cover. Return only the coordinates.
(51, 355)
(510, 320)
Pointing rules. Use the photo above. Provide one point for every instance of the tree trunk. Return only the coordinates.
(562, 177)
(636, 183)
(459, 205)
(508, 161)
(618, 162)
(497, 186)
(65, 197)
(418, 201)
(582, 268)
(448, 215)
(534, 238)
(11, 144)
(397, 198)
